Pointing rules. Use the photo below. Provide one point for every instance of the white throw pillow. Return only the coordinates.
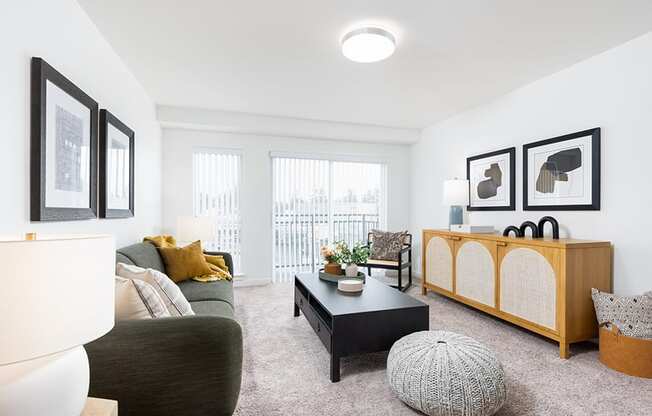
(175, 302)
(135, 299)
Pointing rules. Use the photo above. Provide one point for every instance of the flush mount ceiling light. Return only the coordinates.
(368, 44)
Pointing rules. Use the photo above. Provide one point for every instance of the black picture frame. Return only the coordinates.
(511, 151)
(595, 134)
(41, 73)
(106, 119)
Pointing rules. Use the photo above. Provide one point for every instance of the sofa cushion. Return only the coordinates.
(213, 308)
(196, 291)
(121, 258)
(142, 255)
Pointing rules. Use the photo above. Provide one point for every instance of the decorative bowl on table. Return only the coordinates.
(350, 285)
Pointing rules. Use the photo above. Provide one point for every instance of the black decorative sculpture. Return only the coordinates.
(532, 226)
(553, 222)
(517, 232)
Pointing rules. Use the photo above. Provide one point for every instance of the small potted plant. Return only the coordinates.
(352, 257)
(332, 258)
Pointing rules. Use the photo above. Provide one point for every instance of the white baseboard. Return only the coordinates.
(241, 281)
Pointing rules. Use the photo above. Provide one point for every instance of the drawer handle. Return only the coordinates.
(501, 244)
(454, 238)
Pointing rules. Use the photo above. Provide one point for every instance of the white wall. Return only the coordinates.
(256, 195)
(60, 32)
(613, 91)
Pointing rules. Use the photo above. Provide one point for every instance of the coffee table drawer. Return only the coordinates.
(313, 319)
(323, 334)
(300, 299)
(318, 325)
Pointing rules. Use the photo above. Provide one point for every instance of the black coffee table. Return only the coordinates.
(350, 324)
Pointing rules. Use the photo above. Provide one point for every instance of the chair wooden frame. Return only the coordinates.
(407, 248)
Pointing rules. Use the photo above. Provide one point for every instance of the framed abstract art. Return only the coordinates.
(116, 167)
(63, 153)
(492, 178)
(562, 173)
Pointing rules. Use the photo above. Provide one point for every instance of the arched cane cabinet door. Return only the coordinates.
(528, 287)
(439, 263)
(475, 272)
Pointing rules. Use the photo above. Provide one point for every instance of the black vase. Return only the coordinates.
(553, 222)
(532, 226)
(516, 230)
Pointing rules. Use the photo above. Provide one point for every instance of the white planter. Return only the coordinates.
(351, 270)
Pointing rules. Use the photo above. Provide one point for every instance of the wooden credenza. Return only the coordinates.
(543, 285)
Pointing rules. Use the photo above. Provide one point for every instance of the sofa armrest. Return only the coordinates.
(227, 259)
(189, 365)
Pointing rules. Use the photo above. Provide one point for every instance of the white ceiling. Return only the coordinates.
(283, 57)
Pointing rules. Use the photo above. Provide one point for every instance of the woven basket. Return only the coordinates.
(632, 356)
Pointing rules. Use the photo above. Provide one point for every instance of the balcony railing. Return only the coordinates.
(298, 238)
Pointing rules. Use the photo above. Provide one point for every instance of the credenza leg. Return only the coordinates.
(424, 291)
(296, 310)
(564, 350)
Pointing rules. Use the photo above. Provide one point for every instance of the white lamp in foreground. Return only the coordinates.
(456, 195)
(191, 229)
(56, 294)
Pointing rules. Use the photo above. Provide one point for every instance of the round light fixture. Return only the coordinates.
(368, 44)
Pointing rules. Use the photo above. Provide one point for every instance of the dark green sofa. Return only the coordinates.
(190, 365)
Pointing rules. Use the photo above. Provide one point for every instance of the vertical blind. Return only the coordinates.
(317, 202)
(216, 193)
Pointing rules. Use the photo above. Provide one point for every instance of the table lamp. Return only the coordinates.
(456, 195)
(57, 294)
(190, 228)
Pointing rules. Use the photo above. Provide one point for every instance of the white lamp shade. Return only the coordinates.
(195, 228)
(456, 192)
(57, 293)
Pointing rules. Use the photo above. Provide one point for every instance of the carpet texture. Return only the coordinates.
(286, 367)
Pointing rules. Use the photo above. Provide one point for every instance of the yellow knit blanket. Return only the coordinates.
(216, 263)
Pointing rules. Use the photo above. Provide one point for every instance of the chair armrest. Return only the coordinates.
(405, 249)
(228, 259)
(189, 365)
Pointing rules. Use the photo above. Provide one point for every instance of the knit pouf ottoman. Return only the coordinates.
(446, 374)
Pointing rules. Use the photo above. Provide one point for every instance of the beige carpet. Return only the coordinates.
(286, 367)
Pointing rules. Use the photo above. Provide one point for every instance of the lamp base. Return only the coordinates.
(55, 385)
(456, 215)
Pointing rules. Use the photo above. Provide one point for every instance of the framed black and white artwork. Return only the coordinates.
(492, 181)
(562, 173)
(63, 165)
(116, 167)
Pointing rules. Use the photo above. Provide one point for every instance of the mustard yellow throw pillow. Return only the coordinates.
(161, 240)
(184, 263)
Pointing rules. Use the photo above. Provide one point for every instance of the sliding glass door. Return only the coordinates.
(317, 202)
(216, 194)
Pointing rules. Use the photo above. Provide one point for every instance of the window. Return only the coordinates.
(317, 202)
(216, 193)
